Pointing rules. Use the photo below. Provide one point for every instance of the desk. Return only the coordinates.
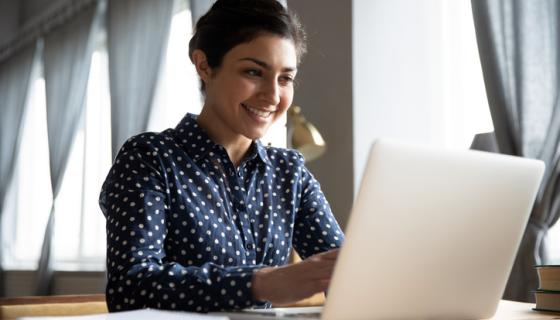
(509, 310)
(94, 304)
(71, 305)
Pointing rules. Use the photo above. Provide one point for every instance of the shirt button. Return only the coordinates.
(250, 246)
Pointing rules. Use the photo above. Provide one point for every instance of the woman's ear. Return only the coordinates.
(201, 64)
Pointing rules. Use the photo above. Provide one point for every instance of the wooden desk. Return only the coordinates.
(510, 310)
(11, 308)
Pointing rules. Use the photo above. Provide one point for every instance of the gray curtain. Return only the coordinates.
(137, 33)
(518, 42)
(15, 78)
(67, 58)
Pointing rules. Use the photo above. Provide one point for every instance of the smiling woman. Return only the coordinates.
(203, 217)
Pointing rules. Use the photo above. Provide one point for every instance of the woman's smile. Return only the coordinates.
(259, 115)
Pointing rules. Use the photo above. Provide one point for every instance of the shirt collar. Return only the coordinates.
(261, 152)
(198, 144)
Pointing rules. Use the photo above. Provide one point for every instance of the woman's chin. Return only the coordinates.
(255, 134)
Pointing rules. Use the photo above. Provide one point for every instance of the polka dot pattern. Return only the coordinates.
(186, 229)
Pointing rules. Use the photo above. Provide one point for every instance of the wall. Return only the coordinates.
(396, 73)
(325, 94)
(373, 70)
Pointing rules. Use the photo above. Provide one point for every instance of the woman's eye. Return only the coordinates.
(286, 79)
(253, 72)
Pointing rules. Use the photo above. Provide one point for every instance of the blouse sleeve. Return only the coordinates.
(316, 229)
(135, 201)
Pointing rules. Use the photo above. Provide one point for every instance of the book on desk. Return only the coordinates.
(547, 295)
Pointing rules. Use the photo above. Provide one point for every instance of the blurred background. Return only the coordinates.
(78, 77)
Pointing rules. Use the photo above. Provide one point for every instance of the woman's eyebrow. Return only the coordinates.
(266, 65)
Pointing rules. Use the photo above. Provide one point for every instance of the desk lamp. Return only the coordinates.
(303, 135)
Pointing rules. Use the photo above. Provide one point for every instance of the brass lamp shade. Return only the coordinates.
(303, 135)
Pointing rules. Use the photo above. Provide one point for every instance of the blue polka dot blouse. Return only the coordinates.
(186, 230)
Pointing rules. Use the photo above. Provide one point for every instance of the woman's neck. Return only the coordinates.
(236, 145)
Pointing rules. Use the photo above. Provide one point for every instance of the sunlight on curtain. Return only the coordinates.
(177, 90)
(80, 225)
(97, 159)
(31, 193)
(68, 204)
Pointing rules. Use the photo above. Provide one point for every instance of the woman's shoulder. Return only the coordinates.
(148, 141)
(145, 151)
(279, 155)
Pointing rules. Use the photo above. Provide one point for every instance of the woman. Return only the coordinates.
(203, 217)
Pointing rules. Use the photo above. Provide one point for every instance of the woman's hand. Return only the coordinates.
(291, 283)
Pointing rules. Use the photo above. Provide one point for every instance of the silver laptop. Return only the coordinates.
(433, 234)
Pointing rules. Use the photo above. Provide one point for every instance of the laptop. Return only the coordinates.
(433, 234)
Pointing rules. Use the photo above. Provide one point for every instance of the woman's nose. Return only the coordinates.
(271, 92)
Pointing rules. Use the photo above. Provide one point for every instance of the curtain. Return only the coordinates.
(15, 79)
(67, 57)
(137, 32)
(518, 43)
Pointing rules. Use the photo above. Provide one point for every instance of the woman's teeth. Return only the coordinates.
(262, 114)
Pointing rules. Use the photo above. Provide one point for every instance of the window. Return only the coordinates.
(26, 216)
(465, 107)
(79, 239)
(79, 236)
(79, 225)
(177, 90)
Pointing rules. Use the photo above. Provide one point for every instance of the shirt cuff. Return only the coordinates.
(235, 288)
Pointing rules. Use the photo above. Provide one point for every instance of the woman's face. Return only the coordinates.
(253, 87)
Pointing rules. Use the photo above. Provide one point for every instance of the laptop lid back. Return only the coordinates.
(433, 233)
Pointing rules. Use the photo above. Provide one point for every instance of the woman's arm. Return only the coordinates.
(317, 238)
(315, 229)
(294, 282)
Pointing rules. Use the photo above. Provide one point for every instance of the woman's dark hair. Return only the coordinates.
(232, 22)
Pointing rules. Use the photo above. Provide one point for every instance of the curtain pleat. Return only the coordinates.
(15, 79)
(137, 33)
(67, 58)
